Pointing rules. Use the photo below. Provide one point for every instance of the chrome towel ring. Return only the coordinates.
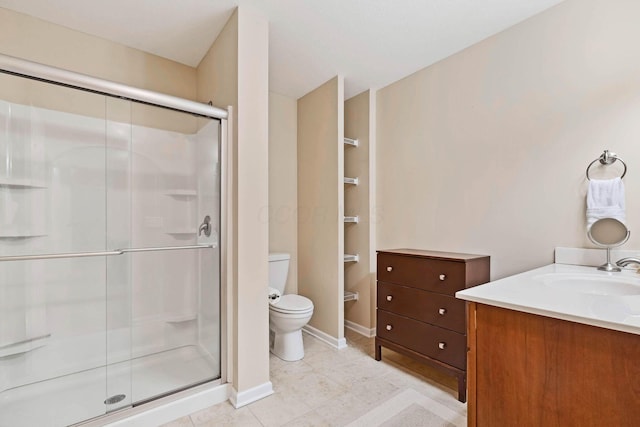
(608, 158)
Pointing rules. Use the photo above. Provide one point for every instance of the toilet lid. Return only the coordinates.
(292, 303)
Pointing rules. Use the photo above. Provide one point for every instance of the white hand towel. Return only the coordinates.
(274, 295)
(605, 199)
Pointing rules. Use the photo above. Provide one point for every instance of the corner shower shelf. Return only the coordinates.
(182, 192)
(20, 235)
(353, 219)
(182, 318)
(351, 142)
(351, 258)
(353, 181)
(350, 296)
(24, 184)
(23, 346)
(179, 232)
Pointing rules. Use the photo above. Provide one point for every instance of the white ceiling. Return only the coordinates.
(372, 43)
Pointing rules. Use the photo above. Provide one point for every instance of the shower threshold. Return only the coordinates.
(81, 396)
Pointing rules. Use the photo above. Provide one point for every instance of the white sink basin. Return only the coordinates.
(597, 284)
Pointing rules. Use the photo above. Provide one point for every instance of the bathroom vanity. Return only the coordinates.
(555, 346)
(417, 313)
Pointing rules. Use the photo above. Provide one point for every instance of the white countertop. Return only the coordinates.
(568, 292)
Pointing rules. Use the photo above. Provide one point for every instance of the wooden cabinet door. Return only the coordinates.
(530, 370)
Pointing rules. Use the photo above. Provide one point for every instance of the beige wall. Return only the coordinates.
(235, 72)
(253, 197)
(485, 152)
(30, 38)
(359, 123)
(218, 79)
(36, 40)
(321, 206)
(283, 182)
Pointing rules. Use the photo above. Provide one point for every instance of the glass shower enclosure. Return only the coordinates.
(109, 252)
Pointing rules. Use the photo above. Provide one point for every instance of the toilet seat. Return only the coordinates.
(292, 303)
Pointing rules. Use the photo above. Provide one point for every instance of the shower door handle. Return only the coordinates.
(205, 226)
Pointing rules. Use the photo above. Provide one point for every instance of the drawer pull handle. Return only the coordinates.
(443, 276)
(389, 269)
(389, 327)
(389, 297)
(442, 345)
(442, 311)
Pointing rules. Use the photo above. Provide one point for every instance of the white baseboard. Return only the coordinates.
(338, 343)
(369, 333)
(240, 399)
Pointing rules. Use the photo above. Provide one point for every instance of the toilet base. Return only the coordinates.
(288, 345)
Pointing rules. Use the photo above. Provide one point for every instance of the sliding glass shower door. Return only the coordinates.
(109, 272)
(173, 226)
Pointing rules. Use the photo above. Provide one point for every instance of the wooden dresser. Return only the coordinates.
(417, 312)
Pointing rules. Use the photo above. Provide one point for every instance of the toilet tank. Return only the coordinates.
(278, 270)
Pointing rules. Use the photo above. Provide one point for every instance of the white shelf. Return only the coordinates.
(353, 181)
(351, 142)
(183, 231)
(20, 235)
(23, 184)
(350, 296)
(351, 219)
(24, 346)
(180, 318)
(351, 258)
(182, 192)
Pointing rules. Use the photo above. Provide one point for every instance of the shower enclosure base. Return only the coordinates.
(80, 396)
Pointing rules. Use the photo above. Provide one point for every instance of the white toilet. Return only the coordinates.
(288, 315)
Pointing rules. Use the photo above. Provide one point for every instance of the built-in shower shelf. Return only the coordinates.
(353, 219)
(20, 235)
(184, 192)
(353, 181)
(351, 258)
(350, 296)
(182, 318)
(23, 346)
(351, 142)
(183, 231)
(23, 184)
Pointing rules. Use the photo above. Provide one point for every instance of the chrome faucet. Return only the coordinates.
(624, 262)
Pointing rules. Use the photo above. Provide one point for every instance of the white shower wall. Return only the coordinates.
(73, 183)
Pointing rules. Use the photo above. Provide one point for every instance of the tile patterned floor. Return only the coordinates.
(346, 387)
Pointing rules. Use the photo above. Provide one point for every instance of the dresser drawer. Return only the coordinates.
(424, 338)
(445, 277)
(440, 310)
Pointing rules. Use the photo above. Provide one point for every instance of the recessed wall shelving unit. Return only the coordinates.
(349, 142)
(359, 196)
